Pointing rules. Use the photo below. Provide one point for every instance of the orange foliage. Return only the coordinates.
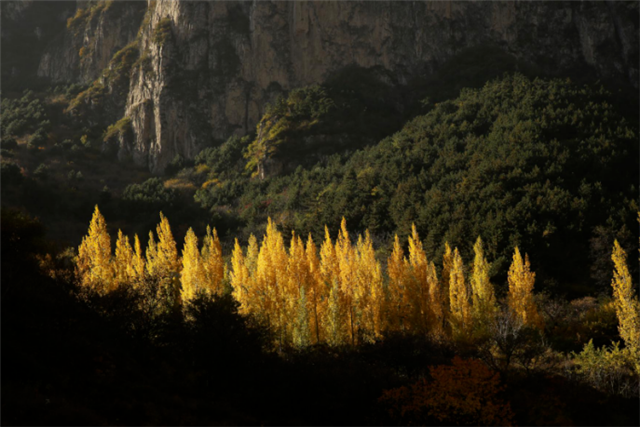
(465, 393)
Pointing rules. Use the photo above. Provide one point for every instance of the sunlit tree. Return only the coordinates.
(192, 276)
(137, 262)
(484, 301)
(626, 303)
(459, 296)
(212, 262)
(395, 311)
(94, 269)
(123, 261)
(521, 280)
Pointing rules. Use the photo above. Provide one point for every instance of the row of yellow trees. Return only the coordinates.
(340, 295)
(99, 270)
(337, 295)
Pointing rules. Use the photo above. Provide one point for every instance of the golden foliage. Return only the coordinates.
(337, 296)
(93, 268)
(521, 280)
(626, 303)
(212, 262)
(459, 296)
(484, 301)
(192, 276)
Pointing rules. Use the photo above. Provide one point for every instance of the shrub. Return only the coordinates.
(608, 369)
(466, 393)
(41, 172)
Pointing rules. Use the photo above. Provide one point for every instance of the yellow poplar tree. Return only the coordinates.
(296, 290)
(436, 311)
(167, 251)
(459, 296)
(94, 269)
(163, 263)
(424, 306)
(123, 261)
(137, 262)
(152, 255)
(626, 303)
(212, 262)
(331, 322)
(270, 277)
(368, 288)
(483, 297)
(447, 264)
(346, 258)
(521, 280)
(240, 279)
(317, 297)
(397, 271)
(192, 276)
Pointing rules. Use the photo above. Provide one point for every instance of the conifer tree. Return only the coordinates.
(484, 302)
(459, 296)
(626, 303)
(521, 280)
(123, 261)
(94, 269)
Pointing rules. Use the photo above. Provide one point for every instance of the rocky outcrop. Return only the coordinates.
(208, 69)
(96, 31)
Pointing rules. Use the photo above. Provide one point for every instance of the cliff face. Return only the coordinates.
(207, 69)
(93, 34)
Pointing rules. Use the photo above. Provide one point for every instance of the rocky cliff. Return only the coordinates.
(206, 70)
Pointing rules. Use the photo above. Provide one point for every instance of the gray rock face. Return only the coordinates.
(209, 68)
